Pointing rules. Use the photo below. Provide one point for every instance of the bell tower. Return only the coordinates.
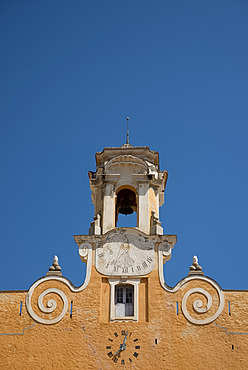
(127, 180)
(124, 315)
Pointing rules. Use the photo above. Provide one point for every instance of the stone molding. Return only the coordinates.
(85, 252)
(164, 254)
(126, 160)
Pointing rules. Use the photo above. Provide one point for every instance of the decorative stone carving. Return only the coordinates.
(156, 228)
(198, 303)
(95, 226)
(193, 315)
(164, 251)
(195, 268)
(116, 164)
(55, 269)
(85, 252)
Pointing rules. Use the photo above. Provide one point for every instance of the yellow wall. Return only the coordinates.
(80, 341)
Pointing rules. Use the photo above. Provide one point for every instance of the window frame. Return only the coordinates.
(117, 282)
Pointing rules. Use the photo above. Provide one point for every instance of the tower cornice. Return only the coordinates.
(142, 152)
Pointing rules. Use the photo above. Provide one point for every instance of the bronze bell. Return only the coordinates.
(126, 202)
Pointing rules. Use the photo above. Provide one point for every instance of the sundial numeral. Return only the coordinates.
(100, 255)
(111, 340)
(122, 362)
(116, 334)
(135, 354)
(149, 259)
(138, 267)
(115, 359)
(109, 347)
(110, 354)
(137, 347)
(116, 268)
(123, 332)
(130, 359)
(144, 264)
(135, 340)
(124, 269)
(130, 334)
(107, 265)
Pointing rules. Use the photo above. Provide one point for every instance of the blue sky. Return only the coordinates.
(71, 72)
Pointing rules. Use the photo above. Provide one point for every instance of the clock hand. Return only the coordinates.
(117, 352)
(123, 346)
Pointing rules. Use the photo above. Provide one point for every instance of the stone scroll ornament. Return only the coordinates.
(198, 306)
(85, 252)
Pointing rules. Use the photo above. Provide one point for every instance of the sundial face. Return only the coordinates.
(125, 254)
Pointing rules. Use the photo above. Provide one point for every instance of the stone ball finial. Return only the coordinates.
(195, 268)
(55, 269)
(195, 260)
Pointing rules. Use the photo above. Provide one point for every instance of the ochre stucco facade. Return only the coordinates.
(80, 341)
(193, 325)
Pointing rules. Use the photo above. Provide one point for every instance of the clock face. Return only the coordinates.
(123, 347)
(125, 254)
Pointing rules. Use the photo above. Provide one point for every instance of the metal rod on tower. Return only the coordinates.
(127, 131)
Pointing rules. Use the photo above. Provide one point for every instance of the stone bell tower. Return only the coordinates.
(124, 315)
(127, 180)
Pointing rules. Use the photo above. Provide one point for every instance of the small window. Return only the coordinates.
(124, 297)
(124, 300)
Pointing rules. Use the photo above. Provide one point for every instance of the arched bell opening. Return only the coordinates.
(126, 205)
